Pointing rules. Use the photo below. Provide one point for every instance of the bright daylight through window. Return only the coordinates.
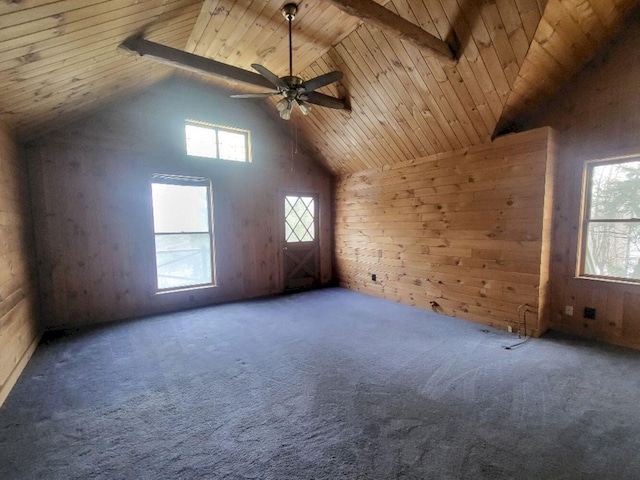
(611, 220)
(213, 141)
(299, 213)
(183, 232)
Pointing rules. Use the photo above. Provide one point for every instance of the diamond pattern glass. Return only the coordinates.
(299, 222)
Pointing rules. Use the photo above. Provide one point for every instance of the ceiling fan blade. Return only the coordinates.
(272, 77)
(324, 100)
(255, 95)
(321, 81)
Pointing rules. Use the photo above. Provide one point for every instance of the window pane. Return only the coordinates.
(299, 221)
(613, 250)
(180, 208)
(183, 260)
(233, 146)
(201, 141)
(615, 191)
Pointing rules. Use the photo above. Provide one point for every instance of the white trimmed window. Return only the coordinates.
(216, 141)
(610, 234)
(183, 229)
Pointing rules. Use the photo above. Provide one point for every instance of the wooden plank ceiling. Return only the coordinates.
(59, 59)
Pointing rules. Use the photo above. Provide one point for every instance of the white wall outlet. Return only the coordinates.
(568, 310)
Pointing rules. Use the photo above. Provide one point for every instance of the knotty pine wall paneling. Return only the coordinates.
(596, 116)
(466, 230)
(19, 317)
(92, 198)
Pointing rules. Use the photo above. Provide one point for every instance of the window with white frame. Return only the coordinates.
(218, 142)
(610, 235)
(183, 229)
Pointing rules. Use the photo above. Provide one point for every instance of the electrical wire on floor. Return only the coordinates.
(511, 347)
(522, 311)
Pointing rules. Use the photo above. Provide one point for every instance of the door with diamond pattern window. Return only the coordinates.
(300, 250)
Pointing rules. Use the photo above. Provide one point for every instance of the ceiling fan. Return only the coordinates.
(294, 89)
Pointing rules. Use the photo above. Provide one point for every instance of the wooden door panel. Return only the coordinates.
(300, 267)
(300, 251)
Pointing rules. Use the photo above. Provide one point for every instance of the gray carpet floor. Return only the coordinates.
(329, 384)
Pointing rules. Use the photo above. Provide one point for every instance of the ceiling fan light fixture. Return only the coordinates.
(304, 108)
(285, 114)
(284, 104)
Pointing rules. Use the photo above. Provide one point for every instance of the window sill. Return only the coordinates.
(195, 288)
(619, 281)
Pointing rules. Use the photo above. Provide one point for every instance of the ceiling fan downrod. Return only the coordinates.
(294, 89)
(289, 12)
(285, 106)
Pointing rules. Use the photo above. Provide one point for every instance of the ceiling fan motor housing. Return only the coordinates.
(292, 81)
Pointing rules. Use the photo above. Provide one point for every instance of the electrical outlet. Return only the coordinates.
(510, 328)
(568, 310)
(373, 277)
(590, 313)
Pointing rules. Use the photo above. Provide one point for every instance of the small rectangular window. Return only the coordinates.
(215, 141)
(182, 220)
(610, 240)
(201, 141)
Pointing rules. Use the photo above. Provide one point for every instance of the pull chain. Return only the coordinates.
(293, 131)
(292, 145)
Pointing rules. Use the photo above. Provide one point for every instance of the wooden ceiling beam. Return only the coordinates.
(195, 63)
(382, 18)
(190, 62)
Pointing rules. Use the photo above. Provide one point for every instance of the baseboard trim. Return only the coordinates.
(17, 370)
